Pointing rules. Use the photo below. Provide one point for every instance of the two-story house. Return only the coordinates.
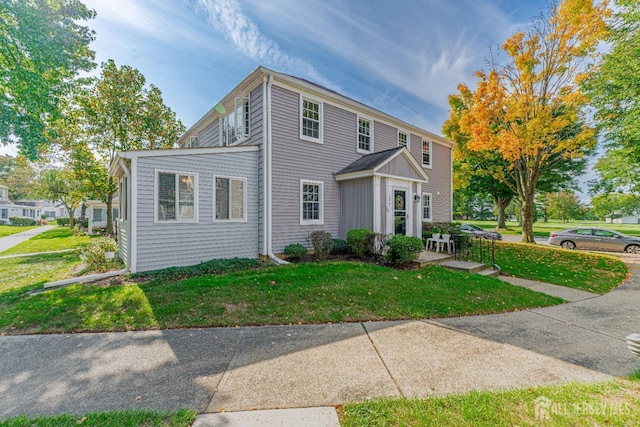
(277, 158)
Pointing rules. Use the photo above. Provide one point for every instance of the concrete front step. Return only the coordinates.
(431, 257)
(470, 267)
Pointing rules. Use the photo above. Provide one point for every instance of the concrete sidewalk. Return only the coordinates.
(224, 370)
(8, 242)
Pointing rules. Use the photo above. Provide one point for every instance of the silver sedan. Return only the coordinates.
(595, 239)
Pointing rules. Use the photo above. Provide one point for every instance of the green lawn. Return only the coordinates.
(8, 230)
(542, 229)
(598, 273)
(305, 293)
(615, 402)
(56, 239)
(130, 418)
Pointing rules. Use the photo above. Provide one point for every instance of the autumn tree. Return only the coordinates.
(614, 90)
(115, 113)
(530, 108)
(43, 47)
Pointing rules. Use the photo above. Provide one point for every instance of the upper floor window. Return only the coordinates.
(176, 196)
(235, 125)
(403, 139)
(365, 135)
(310, 120)
(230, 199)
(426, 153)
(426, 207)
(311, 202)
(193, 142)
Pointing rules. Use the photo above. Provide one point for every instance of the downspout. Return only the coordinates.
(268, 188)
(100, 276)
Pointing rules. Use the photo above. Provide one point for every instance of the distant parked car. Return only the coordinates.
(598, 239)
(480, 232)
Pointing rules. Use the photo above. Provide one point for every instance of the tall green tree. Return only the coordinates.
(61, 185)
(615, 205)
(614, 90)
(43, 47)
(116, 113)
(564, 205)
(20, 176)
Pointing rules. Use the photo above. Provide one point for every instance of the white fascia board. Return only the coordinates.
(354, 175)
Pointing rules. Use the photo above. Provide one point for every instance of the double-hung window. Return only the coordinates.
(426, 153)
(99, 214)
(311, 202)
(426, 207)
(235, 125)
(403, 139)
(230, 199)
(310, 120)
(176, 196)
(365, 136)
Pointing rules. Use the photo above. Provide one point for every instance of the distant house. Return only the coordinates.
(631, 219)
(25, 208)
(96, 214)
(275, 159)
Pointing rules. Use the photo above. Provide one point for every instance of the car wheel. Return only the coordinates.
(568, 244)
(632, 249)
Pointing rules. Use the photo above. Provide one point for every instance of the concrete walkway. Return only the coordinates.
(8, 242)
(229, 371)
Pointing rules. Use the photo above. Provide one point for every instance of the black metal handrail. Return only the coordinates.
(468, 247)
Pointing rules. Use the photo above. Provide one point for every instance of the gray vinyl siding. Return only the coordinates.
(294, 159)
(210, 135)
(399, 167)
(385, 136)
(161, 245)
(256, 137)
(123, 240)
(356, 198)
(439, 184)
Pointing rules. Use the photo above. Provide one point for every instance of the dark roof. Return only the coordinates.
(369, 161)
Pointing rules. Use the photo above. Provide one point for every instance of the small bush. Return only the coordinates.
(22, 220)
(63, 221)
(99, 230)
(322, 243)
(361, 242)
(214, 266)
(339, 247)
(93, 254)
(295, 251)
(403, 248)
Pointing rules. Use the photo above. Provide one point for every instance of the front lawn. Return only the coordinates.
(300, 293)
(8, 230)
(56, 239)
(129, 418)
(597, 273)
(611, 403)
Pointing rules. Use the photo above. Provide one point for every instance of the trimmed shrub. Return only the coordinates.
(339, 247)
(22, 220)
(93, 254)
(403, 248)
(361, 242)
(295, 251)
(322, 243)
(214, 266)
(64, 221)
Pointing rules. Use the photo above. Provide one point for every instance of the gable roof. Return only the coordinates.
(378, 164)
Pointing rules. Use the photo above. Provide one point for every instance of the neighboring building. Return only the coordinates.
(276, 159)
(631, 219)
(96, 214)
(24, 208)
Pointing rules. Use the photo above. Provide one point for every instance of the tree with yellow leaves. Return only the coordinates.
(530, 109)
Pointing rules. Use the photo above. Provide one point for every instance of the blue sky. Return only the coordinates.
(402, 57)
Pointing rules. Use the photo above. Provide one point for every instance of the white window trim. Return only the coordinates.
(370, 120)
(424, 165)
(226, 114)
(312, 221)
(193, 142)
(196, 209)
(318, 140)
(406, 132)
(430, 207)
(244, 202)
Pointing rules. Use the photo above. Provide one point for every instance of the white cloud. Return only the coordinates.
(229, 19)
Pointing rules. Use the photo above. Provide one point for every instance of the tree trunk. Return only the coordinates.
(526, 215)
(501, 205)
(83, 213)
(70, 212)
(110, 214)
